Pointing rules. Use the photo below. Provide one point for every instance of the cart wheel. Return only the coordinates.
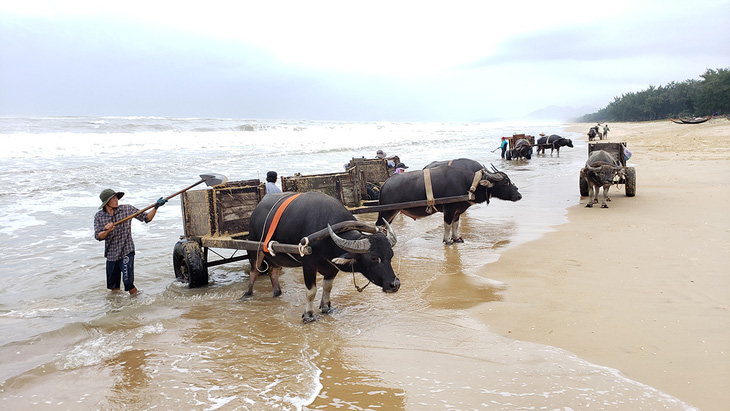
(372, 193)
(189, 264)
(583, 187)
(630, 181)
(508, 155)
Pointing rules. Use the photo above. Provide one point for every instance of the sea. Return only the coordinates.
(68, 343)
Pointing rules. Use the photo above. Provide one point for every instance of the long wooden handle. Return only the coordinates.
(125, 219)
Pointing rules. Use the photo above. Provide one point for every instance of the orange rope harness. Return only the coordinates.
(277, 217)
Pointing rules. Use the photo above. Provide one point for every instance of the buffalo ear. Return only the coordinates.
(486, 183)
(344, 259)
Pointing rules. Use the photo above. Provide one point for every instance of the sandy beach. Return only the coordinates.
(644, 286)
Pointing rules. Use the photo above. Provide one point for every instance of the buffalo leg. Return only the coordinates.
(326, 305)
(308, 315)
(455, 236)
(590, 194)
(310, 281)
(274, 274)
(447, 234)
(251, 280)
(605, 196)
(254, 274)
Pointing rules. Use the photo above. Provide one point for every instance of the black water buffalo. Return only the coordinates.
(446, 181)
(554, 142)
(464, 163)
(599, 171)
(593, 133)
(310, 218)
(523, 149)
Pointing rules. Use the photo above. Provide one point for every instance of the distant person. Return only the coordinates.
(503, 146)
(605, 131)
(271, 187)
(118, 244)
(381, 154)
(400, 168)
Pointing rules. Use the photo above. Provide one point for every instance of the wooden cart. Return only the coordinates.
(352, 187)
(343, 186)
(618, 151)
(218, 218)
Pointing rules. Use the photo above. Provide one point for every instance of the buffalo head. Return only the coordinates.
(371, 255)
(602, 174)
(499, 185)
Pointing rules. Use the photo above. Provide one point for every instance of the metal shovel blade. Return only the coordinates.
(214, 179)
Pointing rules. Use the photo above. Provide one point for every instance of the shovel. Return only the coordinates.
(209, 179)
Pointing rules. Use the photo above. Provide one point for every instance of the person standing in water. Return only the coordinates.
(118, 244)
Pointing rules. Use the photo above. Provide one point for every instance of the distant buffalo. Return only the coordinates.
(554, 142)
(600, 170)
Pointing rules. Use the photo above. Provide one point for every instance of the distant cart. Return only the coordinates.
(618, 151)
(218, 218)
(519, 149)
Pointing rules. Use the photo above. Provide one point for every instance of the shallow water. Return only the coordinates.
(174, 347)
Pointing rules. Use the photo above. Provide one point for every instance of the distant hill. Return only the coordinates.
(560, 113)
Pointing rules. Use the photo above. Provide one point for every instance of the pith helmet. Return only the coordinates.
(107, 195)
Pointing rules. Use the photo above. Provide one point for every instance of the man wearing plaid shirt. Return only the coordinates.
(118, 244)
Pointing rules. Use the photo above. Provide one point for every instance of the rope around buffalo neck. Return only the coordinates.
(355, 282)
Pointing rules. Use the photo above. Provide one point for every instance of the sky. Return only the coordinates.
(344, 60)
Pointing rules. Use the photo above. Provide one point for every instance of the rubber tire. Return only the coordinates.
(630, 184)
(372, 193)
(189, 264)
(583, 187)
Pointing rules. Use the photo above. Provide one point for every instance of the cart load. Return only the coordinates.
(373, 170)
(346, 186)
(372, 173)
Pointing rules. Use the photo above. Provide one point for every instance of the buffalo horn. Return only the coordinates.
(390, 234)
(360, 246)
(495, 175)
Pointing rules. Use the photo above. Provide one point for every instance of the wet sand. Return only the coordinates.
(644, 286)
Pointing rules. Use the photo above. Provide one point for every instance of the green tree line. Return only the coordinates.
(689, 98)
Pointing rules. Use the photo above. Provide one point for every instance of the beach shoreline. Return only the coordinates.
(634, 297)
(643, 286)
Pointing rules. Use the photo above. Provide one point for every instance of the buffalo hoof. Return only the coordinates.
(277, 293)
(308, 318)
(604, 206)
(459, 240)
(246, 296)
(589, 205)
(448, 242)
(328, 310)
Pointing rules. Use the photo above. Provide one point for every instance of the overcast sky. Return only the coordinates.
(347, 60)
